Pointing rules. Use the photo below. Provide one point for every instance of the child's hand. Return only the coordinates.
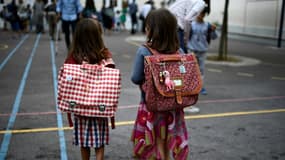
(213, 27)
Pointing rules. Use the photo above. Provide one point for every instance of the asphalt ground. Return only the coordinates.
(241, 118)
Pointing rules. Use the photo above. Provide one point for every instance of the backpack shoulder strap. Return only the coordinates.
(152, 51)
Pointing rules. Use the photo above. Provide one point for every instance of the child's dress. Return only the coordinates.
(90, 131)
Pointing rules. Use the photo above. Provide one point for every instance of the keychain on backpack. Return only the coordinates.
(169, 83)
(161, 78)
(182, 68)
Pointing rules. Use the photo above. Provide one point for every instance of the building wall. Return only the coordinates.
(254, 17)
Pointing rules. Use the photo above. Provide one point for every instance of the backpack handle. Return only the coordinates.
(170, 58)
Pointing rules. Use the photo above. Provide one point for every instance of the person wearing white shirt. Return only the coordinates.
(185, 11)
(146, 8)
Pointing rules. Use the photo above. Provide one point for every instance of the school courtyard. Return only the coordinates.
(241, 118)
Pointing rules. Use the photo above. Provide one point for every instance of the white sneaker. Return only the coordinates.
(191, 109)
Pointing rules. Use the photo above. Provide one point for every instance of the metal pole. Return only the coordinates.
(281, 25)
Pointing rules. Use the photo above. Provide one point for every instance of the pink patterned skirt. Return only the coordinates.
(169, 125)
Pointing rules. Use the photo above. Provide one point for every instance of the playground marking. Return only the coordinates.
(215, 70)
(7, 136)
(279, 78)
(245, 74)
(3, 46)
(125, 123)
(63, 153)
(135, 106)
(2, 64)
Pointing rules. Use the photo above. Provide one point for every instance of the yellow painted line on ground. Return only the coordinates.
(35, 130)
(245, 74)
(124, 123)
(3, 46)
(229, 114)
(215, 70)
(279, 78)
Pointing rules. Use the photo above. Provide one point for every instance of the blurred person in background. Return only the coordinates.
(108, 15)
(39, 16)
(51, 18)
(23, 16)
(201, 33)
(90, 11)
(69, 11)
(185, 11)
(13, 18)
(146, 8)
(133, 9)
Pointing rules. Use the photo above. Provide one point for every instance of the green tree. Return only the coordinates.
(223, 48)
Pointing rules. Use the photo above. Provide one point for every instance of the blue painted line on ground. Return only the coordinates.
(63, 153)
(16, 106)
(12, 52)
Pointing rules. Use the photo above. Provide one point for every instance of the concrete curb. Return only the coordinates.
(245, 61)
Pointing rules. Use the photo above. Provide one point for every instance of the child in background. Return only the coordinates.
(118, 21)
(201, 33)
(156, 135)
(88, 46)
(123, 17)
(90, 11)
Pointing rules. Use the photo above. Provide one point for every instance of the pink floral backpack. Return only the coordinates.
(172, 81)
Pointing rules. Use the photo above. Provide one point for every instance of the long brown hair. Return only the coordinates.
(87, 44)
(162, 31)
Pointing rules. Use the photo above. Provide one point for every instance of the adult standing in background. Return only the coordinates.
(185, 11)
(51, 18)
(30, 18)
(133, 9)
(69, 13)
(13, 17)
(23, 16)
(108, 18)
(39, 15)
(146, 8)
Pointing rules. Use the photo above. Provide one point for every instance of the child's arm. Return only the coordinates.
(213, 33)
